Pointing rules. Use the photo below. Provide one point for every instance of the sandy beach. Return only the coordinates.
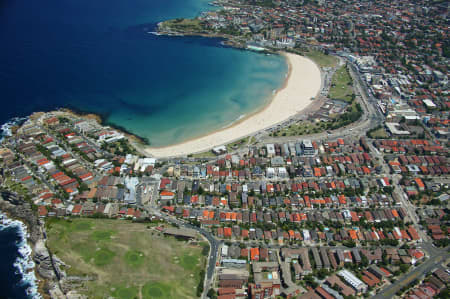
(302, 84)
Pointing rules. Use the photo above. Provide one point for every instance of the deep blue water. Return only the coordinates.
(98, 56)
(11, 283)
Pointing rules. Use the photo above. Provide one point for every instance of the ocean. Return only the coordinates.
(100, 56)
(17, 279)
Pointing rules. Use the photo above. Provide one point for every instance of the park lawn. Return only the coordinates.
(379, 133)
(207, 154)
(230, 147)
(302, 128)
(127, 260)
(193, 25)
(239, 143)
(341, 85)
(322, 59)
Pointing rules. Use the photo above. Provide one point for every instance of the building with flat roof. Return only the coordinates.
(267, 284)
(234, 263)
(353, 281)
(392, 127)
(308, 148)
(270, 150)
(218, 150)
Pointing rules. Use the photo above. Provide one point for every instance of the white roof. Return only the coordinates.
(351, 278)
(220, 148)
(429, 103)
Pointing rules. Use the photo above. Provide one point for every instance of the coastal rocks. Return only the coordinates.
(56, 293)
(44, 263)
(75, 295)
(37, 259)
(24, 263)
(75, 279)
(71, 283)
(19, 209)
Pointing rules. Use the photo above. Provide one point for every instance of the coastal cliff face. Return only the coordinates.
(45, 266)
(21, 210)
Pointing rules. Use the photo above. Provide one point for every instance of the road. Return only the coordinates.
(371, 118)
(398, 192)
(31, 166)
(214, 244)
(67, 148)
(437, 256)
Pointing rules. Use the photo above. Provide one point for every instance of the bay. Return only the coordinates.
(99, 56)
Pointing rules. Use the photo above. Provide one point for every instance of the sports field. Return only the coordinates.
(126, 260)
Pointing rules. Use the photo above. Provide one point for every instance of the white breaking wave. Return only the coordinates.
(6, 127)
(24, 263)
(240, 117)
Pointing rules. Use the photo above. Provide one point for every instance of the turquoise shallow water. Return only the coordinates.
(98, 56)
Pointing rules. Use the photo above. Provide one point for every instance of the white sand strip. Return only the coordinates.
(302, 84)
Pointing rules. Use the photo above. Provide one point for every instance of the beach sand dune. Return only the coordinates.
(302, 84)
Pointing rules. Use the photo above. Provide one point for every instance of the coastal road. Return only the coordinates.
(371, 117)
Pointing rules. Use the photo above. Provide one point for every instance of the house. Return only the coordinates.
(76, 211)
(167, 195)
(335, 281)
(42, 211)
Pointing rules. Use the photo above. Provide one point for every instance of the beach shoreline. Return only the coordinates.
(303, 82)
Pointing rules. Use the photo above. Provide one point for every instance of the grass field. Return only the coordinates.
(341, 85)
(184, 25)
(127, 260)
(207, 154)
(230, 147)
(302, 128)
(241, 142)
(322, 59)
(379, 133)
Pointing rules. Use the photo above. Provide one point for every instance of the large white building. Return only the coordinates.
(270, 150)
(308, 148)
(352, 280)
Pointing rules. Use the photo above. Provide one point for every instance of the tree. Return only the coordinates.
(309, 279)
(212, 294)
(349, 243)
(200, 190)
(83, 187)
(404, 268)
